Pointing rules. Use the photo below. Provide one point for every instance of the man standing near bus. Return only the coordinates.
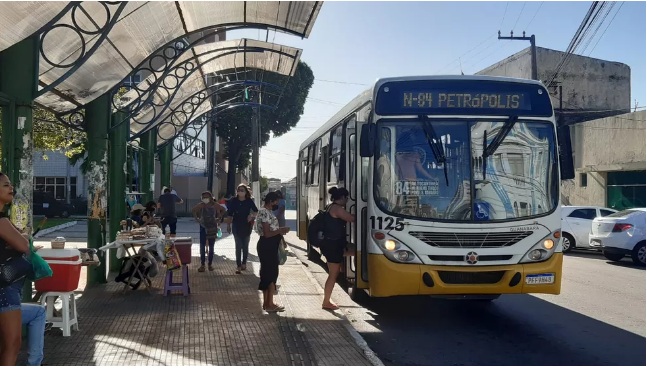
(167, 203)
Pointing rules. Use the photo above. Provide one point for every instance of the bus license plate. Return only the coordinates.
(548, 278)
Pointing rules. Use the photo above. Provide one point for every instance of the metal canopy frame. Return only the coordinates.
(82, 39)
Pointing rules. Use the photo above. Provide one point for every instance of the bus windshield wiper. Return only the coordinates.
(435, 145)
(490, 149)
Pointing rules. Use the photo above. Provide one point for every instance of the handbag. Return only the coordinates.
(283, 251)
(15, 269)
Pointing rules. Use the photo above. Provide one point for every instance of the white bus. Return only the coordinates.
(454, 182)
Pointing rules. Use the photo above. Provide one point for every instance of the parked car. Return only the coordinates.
(576, 225)
(46, 204)
(620, 234)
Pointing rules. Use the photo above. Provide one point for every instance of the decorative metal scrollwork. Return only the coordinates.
(93, 37)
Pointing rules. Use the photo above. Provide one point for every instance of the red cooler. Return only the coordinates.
(66, 266)
(183, 247)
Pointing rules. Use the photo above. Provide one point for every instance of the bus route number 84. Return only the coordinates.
(387, 223)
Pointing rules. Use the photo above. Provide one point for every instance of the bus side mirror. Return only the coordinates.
(566, 167)
(367, 141)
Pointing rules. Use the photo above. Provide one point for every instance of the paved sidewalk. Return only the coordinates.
(220, 323)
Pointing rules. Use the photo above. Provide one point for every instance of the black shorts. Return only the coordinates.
(333, 250)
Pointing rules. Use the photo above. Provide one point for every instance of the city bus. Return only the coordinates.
(454, 182)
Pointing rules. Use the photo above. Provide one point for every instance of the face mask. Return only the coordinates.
(206, 201)
(275, 207)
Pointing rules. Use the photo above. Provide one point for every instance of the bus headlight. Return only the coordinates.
(389, 245)
(395, 250)
(542, 250)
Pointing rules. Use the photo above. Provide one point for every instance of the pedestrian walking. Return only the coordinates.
(207, 213)
(167, 203)
(242, 211)
(271, 234)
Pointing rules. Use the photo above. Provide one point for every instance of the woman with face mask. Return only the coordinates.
(242, 211)
(267, 226)
(207, 213)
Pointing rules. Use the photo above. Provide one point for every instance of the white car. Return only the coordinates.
(620, 234)
(576, 224)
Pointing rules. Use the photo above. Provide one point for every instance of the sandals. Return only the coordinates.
(275, 308)
(331, 307)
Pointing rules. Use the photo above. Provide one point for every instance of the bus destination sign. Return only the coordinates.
(462, 97)
(435, 99)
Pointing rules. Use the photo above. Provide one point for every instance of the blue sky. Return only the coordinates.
(355, 43)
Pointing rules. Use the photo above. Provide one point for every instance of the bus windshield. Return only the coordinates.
(520, 181)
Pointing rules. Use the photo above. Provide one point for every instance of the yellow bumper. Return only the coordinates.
(387, 278)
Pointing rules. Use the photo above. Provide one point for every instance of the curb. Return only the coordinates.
(55, 228)
(359, 340)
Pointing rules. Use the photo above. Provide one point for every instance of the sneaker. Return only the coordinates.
(211, 268)
(201, 269)
(238, 270)
(243, 267)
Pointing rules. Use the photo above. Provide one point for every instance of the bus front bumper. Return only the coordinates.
(387, 278)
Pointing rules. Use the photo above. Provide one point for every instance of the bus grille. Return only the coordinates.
(470, 277)
(470, 240)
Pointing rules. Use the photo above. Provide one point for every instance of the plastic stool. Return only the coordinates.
(183, 286)
(69, 319)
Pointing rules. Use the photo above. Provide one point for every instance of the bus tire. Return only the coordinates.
(358, 295)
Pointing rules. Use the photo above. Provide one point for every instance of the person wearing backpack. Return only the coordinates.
(333, 244)
(207, 213)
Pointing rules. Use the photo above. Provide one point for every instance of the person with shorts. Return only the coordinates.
(12, 245)
(333, 246)
(167, 203)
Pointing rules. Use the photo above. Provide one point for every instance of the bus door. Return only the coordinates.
(351, 141)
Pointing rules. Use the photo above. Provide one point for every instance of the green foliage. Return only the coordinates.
(264, 182)
(235, 125)
(52, 135)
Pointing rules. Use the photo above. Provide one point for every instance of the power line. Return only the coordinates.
(504, 13)
(341, 82)
(521, 12)
(533, 17)
(605, 30)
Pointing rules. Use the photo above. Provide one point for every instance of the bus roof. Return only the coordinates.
(355, 104)
(367, 95)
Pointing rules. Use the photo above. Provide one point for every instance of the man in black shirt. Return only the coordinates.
(167, 203)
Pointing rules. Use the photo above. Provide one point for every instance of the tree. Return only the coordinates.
(235, 128)
(51, 135)
(264, 183)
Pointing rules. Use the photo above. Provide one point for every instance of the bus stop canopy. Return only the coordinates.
(89, 47)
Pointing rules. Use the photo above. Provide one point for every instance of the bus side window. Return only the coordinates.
(336, 155)
(316, 162)
(352, 174)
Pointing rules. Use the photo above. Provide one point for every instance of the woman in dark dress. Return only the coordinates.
(12, 245)
(267, 226)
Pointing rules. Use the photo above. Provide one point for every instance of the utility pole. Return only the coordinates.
(533, 49)
(256, 188)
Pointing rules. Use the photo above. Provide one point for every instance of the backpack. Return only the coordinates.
(316, 228)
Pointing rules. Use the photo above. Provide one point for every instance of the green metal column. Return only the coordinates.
(97, 116)
(19, 81)
(129, 167)
(166, 155)
(117, 181)
(147, 145)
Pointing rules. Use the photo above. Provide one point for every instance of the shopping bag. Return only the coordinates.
(283, 252)
(40, 266)
(172, 257)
